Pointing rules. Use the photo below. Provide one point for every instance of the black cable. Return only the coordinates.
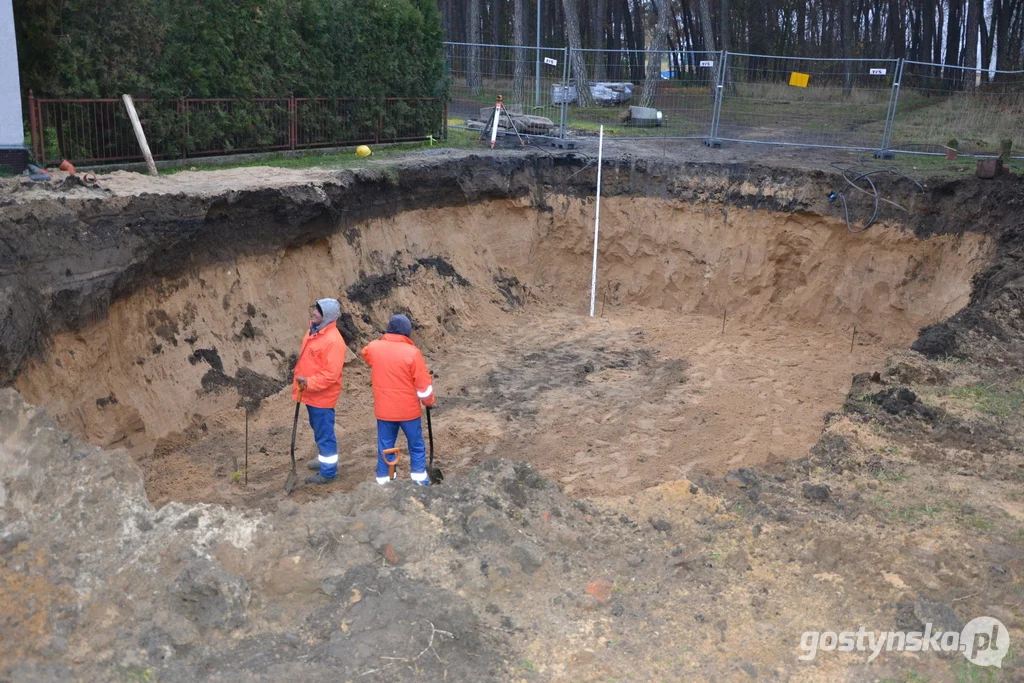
(874, 192)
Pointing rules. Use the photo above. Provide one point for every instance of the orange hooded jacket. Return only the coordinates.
(399, 377)
(321, 360)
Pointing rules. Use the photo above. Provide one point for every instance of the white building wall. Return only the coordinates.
(12, 132)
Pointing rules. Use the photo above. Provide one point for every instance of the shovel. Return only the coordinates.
(289, 483)
(433, 473)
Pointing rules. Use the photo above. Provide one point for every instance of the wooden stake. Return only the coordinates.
(853, 338)
(604, 300)
(139, 134)
(246, 446)
(723, 320)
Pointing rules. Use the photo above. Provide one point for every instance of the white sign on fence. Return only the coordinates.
(550, 62)
(878, 72)
(706, 62)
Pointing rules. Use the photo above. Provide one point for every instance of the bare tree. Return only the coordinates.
(579, 64)
(657, 46)
(519, 38)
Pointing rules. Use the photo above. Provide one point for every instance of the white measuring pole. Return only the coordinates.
(597, 222)
(494, 131)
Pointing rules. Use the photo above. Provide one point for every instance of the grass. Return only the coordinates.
(925, 120)
(457, 139)
(964, 671)
(978, 524)
(989, 398)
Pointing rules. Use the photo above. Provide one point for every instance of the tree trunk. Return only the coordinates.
(987, 32)
(657, 47)
(579, 65)
(723, 24)
(597, 23)
(953, 34)
(898, 34)
(927, 12)
(519, 38)
(1001, 12)
(705, 25)
(847, 38)
(496, 30)
(474, 80)
(971, 44)
(801, 29)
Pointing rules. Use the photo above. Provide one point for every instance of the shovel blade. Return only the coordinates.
(289, 483)
(435, 475)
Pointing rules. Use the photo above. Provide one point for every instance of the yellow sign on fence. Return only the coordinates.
(798, 79)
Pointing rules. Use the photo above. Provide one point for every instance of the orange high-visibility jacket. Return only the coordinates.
(321, 362)
(399, 377)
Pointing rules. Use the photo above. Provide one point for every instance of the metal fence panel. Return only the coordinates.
(684, 93)
(806, 101)
(478, 73)
(967, 109)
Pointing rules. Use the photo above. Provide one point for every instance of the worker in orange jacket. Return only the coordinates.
(318, 384)
(401, 382)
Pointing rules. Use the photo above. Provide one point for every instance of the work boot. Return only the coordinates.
(313, 465)
(317, 479)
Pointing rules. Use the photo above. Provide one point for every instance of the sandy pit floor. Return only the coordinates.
(606, 406)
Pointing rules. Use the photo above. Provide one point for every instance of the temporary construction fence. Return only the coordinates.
(99, 130)
(878, 105)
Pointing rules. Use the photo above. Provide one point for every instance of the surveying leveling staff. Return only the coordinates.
(400, 382)
(318, 384)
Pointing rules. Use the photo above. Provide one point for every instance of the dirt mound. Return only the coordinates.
(495, 575)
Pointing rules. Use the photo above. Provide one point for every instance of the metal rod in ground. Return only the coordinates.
(246, 446)
(723, 320)
(853, 338)
(597, 221)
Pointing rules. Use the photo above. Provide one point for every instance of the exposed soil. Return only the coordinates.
(719, 522)
(725, 336)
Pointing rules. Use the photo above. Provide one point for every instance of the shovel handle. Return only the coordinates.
(392, 464)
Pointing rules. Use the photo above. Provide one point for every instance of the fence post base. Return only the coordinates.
(714, 144)
(884, 154)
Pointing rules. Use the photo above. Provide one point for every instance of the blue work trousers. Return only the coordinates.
(322, 422)
(387, 435)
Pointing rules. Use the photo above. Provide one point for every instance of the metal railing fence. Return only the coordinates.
(880, 105)
(98, 130)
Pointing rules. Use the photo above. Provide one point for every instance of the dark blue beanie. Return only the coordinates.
(399, 324)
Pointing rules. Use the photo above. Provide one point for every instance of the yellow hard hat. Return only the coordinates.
(363, 151)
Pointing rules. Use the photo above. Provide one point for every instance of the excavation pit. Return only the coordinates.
(724, 335)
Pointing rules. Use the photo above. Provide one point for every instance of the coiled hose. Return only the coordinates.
(873, 193)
